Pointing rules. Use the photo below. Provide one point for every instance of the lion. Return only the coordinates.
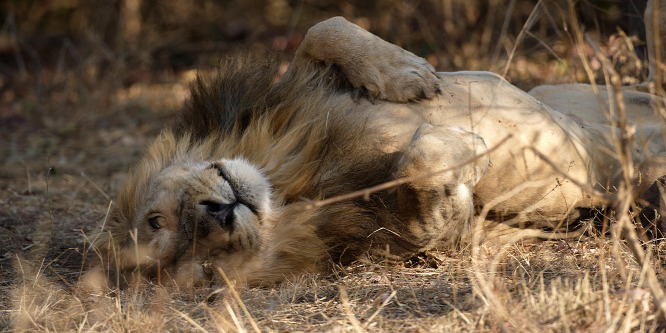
(231, 192)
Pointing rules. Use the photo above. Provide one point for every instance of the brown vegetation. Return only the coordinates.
(85, 84)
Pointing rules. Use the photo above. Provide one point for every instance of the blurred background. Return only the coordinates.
(101, 75)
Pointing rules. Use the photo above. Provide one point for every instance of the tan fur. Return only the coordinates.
(305, 139)
(230, 186)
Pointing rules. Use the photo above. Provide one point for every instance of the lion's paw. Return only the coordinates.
(438, 204)
(383, 70)
(396, 75)
(434, 149)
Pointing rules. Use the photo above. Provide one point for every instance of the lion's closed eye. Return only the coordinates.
(220, 170)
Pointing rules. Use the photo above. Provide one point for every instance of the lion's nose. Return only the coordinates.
(222, 212)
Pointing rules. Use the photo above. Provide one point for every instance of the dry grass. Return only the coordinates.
(552, 286)
(69, 131)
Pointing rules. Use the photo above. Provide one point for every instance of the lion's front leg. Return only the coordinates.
(384, 70)
(439, 209)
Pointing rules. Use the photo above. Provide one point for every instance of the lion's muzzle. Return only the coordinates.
(223, 213)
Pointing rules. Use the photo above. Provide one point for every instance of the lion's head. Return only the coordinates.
(180, 209)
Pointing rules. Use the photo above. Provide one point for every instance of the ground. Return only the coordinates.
(70, 129)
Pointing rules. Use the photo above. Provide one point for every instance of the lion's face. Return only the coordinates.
(196, 213)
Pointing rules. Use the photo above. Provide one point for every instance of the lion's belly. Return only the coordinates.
(518, 181)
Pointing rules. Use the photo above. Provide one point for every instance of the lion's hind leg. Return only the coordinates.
(437, 206)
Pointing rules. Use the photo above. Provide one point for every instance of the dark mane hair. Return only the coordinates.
(304, 138)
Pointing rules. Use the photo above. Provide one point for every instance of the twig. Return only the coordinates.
(97, 187)
(655, 24)
(505, 27)
(234, 317)
(584, 187)
(485, 289)
(11, 28)
(344, 300)
(48, 196)
(624, 197)
(527, 26)
(190, 320)
(365, 193)
(580, 48)
(238, 299)
(106, 216)
(27, 172)
(381, 307)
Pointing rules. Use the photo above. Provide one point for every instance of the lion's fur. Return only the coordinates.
(228, 187)
(300, 136)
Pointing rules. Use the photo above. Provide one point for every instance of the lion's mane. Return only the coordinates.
(305, 140)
